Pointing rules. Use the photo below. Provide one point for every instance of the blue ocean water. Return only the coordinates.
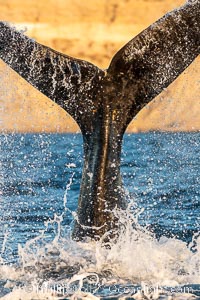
(161, 171)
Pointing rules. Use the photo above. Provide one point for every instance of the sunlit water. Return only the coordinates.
(157, 255)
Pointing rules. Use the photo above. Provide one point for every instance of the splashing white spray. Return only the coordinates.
(62, 267)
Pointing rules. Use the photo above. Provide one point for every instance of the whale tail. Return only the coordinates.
(139, 71)
(103, 103)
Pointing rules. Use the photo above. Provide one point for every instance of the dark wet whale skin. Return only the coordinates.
(104, 102)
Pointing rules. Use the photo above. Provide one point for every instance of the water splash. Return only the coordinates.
(136, 263)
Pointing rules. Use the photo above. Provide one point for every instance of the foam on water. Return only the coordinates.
(60, 267)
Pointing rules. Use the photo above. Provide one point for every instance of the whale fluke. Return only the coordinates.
(158, 55)
(67, 81)
(104, 102)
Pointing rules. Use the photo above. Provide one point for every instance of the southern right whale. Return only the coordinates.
(104, 102)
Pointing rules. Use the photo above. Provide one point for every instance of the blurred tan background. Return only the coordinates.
(92, 30)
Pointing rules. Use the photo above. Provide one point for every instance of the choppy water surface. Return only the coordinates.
(157, 255)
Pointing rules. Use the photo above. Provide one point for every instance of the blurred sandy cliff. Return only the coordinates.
(91, 30)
